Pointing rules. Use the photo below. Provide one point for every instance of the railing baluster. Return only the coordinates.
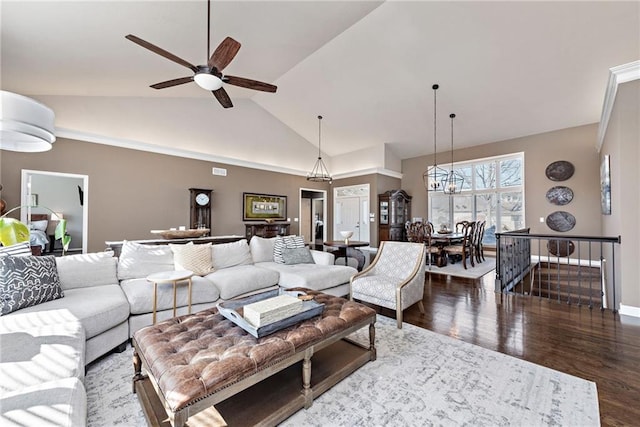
(514, 262)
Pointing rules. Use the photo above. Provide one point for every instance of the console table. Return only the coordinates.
(266, 230)
(116, 246)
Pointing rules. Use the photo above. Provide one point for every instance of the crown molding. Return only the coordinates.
(169, 151)
(370, 171)
(617, 75)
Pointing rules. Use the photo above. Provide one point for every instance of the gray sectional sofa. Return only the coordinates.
(106, 299)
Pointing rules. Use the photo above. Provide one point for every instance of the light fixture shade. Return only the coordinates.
(207, 81)
(25, 124)
(319, 173)
(433, 177)
(453, 182)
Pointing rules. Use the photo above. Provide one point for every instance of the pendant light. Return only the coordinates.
(453, 182)
(434, 175)
(26, 125)
(319, 173)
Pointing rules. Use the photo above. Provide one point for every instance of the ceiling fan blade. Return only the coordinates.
(174, 82)
(155, 49)
(224, 54)
(249, 84)
(223, 97)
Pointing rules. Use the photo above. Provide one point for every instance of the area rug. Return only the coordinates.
(458, 270)
(420, 378)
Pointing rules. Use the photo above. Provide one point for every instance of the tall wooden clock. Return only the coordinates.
(200, 208)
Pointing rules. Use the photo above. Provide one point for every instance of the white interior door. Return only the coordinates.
(351, 212)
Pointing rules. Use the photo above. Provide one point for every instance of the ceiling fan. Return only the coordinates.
(208, 76)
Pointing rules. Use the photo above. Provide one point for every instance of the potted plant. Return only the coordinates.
(13, 231)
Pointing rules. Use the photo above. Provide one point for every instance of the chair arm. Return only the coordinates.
(322, 258)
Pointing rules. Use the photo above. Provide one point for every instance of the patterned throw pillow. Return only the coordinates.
(293, 256)
(196, 258)
(19, 249)
(27, 281)
(290, 242)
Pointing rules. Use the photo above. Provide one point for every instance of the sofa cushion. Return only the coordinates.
(60, 403)
(241, 279)
(27, 281)
(137, 260)
(297, 256)
(313, 276)
(139, 293)
(262, 248)
(40, 347)
(99, 308)
(225, 255)
(196, 258)
(83, 270)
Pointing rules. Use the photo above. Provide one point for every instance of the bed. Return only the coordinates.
(38, 237)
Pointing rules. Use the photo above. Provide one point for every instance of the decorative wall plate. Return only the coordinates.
(561, 221)
(560, 195)
(560, 170)
(560, 247)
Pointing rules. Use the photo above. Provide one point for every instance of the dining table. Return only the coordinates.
(441, 240)
(349, 249)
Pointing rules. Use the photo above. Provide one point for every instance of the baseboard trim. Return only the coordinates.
(628, 310)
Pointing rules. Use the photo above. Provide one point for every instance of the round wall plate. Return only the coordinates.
(560, 195)
(560, 170)
(561, 221)
(561, 248)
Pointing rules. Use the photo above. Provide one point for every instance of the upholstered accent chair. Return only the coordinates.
(394, 279)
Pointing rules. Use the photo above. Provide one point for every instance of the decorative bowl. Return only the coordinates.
(346, 234)
(181, 234)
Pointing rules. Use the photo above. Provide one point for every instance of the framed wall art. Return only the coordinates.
(257, 207)
(605, 185)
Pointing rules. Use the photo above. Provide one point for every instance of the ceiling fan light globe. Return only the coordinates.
(207, 81)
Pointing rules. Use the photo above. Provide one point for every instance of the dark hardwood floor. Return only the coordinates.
(589, 344)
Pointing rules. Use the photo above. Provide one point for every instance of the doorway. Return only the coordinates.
(63, 193)
(313, 214)
(351, 212)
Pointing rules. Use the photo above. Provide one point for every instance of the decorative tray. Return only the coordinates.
(181, 234)
(444, 232)
(232, 310)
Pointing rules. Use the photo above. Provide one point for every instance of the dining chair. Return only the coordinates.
(394, 279)
(463, 249)
(478, 248)
(431, 247)
(415, 231)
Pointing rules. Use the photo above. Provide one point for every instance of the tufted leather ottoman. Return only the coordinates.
(199, 360)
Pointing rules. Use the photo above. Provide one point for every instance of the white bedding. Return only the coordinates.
(38, 238)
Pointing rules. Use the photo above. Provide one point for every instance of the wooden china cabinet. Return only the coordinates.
(394, 210)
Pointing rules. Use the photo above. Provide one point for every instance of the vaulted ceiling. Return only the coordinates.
(507, 69)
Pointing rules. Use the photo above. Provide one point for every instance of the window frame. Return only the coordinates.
(496, 190)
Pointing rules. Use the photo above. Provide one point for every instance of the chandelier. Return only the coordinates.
(319, 173)
(434, 175)
(453, 182)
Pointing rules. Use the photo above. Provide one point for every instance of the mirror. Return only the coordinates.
(63, 193)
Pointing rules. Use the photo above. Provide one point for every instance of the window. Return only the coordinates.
(493, 191)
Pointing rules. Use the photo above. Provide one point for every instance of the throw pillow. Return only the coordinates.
(19, 249)
(225, 255)
(138, 260)
(262, 248)
(196, 258)
(297, 256)
(290, 242)
(27, 281)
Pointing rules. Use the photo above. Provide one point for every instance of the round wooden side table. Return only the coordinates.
(169, 277)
